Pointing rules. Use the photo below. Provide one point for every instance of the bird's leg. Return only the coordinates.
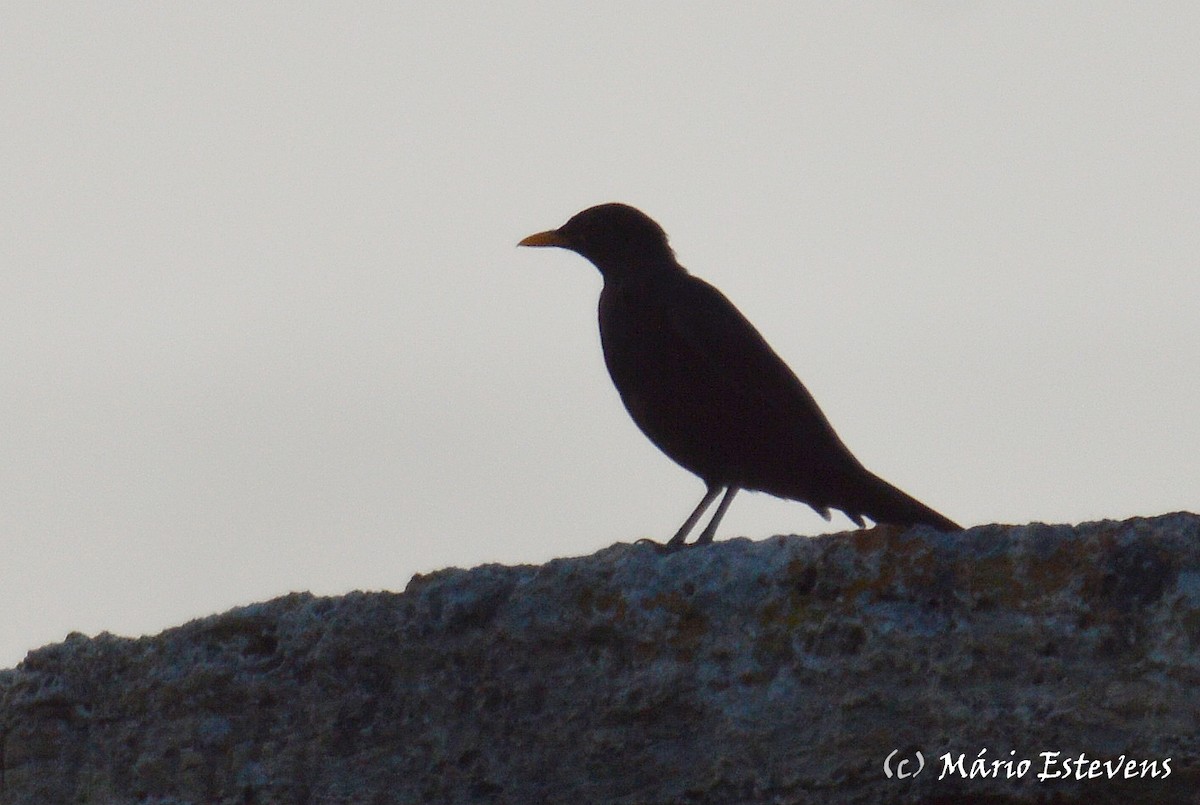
(710, 530)
(690, 523)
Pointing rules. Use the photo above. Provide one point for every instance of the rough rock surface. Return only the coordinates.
(779, 671)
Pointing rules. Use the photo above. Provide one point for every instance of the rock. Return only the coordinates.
(779, 671)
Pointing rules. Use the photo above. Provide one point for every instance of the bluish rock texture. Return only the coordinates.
(787, 670)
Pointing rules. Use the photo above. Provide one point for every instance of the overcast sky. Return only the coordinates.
(265, 327)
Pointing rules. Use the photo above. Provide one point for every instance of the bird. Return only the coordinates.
(708, 390)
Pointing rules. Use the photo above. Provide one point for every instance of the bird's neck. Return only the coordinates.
(647, 275)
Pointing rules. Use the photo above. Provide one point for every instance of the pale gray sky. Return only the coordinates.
(266, 329)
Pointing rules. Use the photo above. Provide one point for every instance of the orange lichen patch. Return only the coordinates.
(904, 562)
(868, 540)
(691, 625)
(1051, 576)
(784, 616)
(647, 650)
(672, 601)
(900, 567)
(798, 599)
(800, 577)
(607, 601)
(585, 599)
(691, 630)
(755, 678)
(883, 540)
(990, 581)
(772, 643)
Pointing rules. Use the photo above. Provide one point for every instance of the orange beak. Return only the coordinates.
(550, 238)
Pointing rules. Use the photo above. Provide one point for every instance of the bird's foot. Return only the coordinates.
(662, 548)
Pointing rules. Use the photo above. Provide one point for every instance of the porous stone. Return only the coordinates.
(788, 670)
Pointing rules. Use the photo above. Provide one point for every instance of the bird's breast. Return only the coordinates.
(664, 384)
(641, 350)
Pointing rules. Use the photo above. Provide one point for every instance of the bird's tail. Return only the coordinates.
(885, 504)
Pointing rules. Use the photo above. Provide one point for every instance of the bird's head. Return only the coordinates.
(616, 238)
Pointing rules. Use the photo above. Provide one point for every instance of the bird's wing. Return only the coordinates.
(747, 376)
(740, 368)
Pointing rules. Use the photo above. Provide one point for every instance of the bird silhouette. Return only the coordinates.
(708, 390)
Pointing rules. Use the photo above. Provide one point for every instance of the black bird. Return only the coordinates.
(705, 387)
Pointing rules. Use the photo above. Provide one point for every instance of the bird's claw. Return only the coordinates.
(662, 548)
